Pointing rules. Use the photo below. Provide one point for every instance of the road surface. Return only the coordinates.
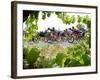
(43, 43)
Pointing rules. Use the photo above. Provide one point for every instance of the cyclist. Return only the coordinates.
(75, 31)
(69, 31)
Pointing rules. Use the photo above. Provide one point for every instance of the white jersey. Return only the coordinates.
(48, 31)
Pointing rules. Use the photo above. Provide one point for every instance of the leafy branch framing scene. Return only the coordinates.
(56, 39)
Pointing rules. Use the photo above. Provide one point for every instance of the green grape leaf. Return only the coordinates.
(33, 55)
(60, 59)
(74, 63)
(86, 59)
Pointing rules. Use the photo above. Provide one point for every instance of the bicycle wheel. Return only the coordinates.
(71, 39)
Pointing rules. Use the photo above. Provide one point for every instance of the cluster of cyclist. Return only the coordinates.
(69, 31)
(51, 31)
(73, 31)
(69, 34)
(53, 34)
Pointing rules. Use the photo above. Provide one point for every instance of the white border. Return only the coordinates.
(32, 72)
